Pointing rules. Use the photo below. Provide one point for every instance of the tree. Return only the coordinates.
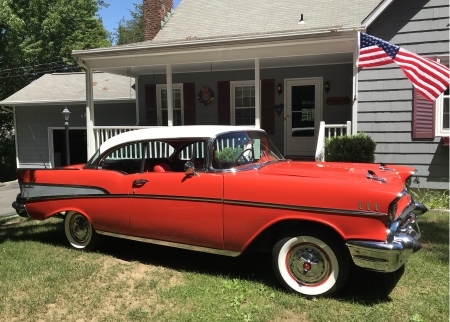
(37, 37)
(131, 31)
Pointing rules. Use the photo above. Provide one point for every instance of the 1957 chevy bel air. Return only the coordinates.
(224, 190)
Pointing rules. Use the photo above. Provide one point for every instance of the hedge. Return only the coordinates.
(352, 148)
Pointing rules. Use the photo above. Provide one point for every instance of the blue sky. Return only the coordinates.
(117, 10)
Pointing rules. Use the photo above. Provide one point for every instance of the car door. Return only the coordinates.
(177, 207)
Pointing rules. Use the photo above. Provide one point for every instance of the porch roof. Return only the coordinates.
(70, 88)
(217, 35)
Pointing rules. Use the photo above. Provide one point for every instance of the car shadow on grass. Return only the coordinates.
(17, 230)
(363, 286)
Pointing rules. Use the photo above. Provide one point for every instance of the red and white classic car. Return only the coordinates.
(224, 190)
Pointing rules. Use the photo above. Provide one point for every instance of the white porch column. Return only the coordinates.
(90, 113)
(257, 95)
(355, 86)
(169, 95)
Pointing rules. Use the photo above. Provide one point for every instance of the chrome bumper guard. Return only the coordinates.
(402, 240)
(21, 210)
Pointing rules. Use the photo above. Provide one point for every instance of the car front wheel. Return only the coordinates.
(79, 231)
(310, 264)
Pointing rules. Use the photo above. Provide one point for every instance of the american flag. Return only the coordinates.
(430, 78)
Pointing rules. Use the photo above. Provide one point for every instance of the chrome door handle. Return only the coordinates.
(139, 182)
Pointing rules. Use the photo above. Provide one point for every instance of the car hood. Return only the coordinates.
(362, 172)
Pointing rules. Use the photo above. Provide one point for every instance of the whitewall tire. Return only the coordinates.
(79, 231)
(310, 264)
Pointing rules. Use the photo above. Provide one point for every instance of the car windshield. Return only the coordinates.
(244, 149)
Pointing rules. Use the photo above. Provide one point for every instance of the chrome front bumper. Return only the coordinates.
(402, 240)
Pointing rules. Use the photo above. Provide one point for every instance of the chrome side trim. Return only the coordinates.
(304, 208)
(179, 198)
(172, 244)
(33, 190)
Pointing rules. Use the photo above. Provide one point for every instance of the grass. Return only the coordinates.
(433, 199)
(43, 280)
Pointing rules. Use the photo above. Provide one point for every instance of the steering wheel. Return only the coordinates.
(241, 155)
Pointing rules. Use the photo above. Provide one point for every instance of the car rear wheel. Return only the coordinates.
(310, 264)
(79, 231)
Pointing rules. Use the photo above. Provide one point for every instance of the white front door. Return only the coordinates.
(303, 113)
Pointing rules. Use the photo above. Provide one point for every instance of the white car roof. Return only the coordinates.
(173, 132)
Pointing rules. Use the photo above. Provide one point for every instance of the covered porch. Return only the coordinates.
(286, 84)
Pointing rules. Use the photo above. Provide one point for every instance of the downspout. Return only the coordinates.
(91, 147)
(15, 134)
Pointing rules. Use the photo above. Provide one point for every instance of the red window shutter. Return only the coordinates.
(268, 105)
(223, 102)
(423, 117)
(189, 103)
(150, 104)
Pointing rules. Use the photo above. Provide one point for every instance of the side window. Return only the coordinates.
(126, 159)
(195, 151)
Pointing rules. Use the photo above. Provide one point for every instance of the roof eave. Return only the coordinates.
(205, 43)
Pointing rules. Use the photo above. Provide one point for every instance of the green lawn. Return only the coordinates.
(42, 279)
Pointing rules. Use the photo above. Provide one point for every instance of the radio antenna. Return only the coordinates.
(38, 148)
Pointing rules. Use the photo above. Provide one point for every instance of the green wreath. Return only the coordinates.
(205, 96)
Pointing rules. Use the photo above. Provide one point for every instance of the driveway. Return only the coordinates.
(8, 193)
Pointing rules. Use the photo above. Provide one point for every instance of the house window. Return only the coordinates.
(178, 106)
(243, 102)
(442, 114)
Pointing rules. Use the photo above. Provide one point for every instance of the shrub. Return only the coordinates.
(228, 154)
(352, 148)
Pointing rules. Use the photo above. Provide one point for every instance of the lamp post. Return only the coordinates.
(66, 114)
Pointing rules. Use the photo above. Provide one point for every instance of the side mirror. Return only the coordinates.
(189, 168)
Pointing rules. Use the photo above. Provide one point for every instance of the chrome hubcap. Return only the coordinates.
(308, 264)
(80, 228)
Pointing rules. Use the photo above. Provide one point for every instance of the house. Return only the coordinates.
(39, 124)
(285, 67)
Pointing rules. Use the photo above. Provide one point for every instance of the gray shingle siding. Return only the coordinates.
(385, 94)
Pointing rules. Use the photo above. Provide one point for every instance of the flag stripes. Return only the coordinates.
(430, 78)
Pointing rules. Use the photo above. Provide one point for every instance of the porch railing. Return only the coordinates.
(103, 133)
(330, 130)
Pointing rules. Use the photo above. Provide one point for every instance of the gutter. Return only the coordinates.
(207, 43)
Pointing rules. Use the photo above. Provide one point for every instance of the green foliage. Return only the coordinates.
(228, 154)
(352, 148)
(131, 31)
(37, 37)
(433, 199)
(7, 148)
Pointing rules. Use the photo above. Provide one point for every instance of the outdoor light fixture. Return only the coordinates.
(327, 87)
(279, 89)
(66, 114)
(301, 22)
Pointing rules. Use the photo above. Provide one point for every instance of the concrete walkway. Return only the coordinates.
(8, 193)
